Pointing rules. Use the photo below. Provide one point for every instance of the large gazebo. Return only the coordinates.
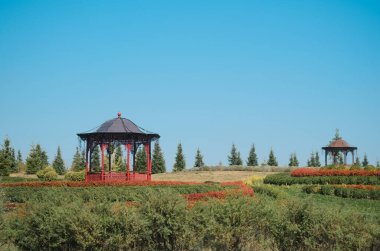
(337, 146)
(117, 131)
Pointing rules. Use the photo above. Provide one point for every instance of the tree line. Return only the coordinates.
(37, 159)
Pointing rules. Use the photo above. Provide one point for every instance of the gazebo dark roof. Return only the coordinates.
(118, 129)
(119, 125)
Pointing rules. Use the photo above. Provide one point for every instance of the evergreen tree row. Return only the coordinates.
(314, 161)
(38, 159)
(119, 162)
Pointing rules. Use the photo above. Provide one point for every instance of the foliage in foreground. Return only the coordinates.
(162, 220)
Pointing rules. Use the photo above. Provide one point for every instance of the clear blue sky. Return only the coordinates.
(280, 74)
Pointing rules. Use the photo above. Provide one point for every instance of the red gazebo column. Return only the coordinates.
(87, 164)
(148, 164)
(128, 149)
(103, 147)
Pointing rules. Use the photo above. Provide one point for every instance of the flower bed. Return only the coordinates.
(302, 172)
(235, 187)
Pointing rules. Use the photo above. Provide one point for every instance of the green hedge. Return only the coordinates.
(75, 176)
(287, 179)
(47, 174)
(344, 192)
(105, 194)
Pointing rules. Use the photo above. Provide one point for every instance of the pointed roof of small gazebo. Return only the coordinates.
(338, 143)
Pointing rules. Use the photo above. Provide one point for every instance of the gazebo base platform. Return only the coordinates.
(117, 176)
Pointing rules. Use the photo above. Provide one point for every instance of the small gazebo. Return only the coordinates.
(337, 146)
(118, 131)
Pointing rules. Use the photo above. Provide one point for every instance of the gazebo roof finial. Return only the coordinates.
(119, 114)
(337, 135)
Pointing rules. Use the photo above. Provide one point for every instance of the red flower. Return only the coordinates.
(302, 172)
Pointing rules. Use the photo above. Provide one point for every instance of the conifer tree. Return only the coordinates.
(14, 162)
(95, 159)
(239, 161)
(317, 162)
(340, 159)
(83, 159)
(158, 161)
(311, 161)
(198, 159)
(58, 164)
(252, 157)
(272, 161)
(357, 161)
(20, 163)
(365, 161)
(293, 161)
(77, 161)
(8, 162)
(19, 157)
(118, 162)
(234, 158)
(36, 160)
(141, 160)
(180, 163)
(378, 164)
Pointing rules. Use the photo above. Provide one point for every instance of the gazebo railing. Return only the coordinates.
(117, 176)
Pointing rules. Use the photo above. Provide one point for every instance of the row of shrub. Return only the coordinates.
(10, 179)
(345, 192)
(243, 168)
(162, 220)
(99, 194)
(287, 179)
(302, 172)
(351, 167)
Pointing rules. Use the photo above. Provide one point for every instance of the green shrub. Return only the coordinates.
(370, 168)
(269, 190)
(312, 189)
(65, 218)
(344, 192)
(75, 176)
(47, 174)
(355, 167)
(327, 190)
(287, 179)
